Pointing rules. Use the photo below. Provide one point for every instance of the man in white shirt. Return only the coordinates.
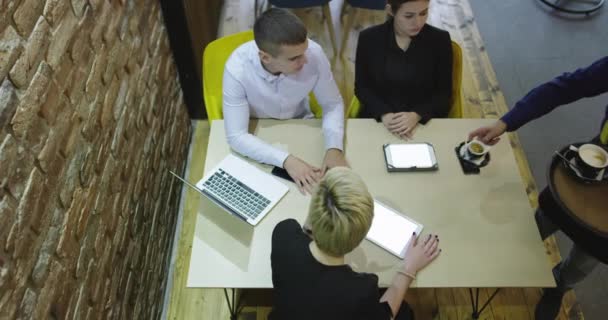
(271, 77)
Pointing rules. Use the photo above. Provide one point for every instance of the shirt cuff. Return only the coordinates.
(278, 158)
(334, 141)
(509, 121)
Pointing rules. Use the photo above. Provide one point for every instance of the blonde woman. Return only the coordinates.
(310, 277)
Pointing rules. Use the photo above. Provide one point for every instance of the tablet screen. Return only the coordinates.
(391, 230)
(410, 155)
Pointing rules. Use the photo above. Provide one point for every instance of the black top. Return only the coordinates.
(388, 79)
(306, 289)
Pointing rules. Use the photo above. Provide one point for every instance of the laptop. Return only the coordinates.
(240, 188)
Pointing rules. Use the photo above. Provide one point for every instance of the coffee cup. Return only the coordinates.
(475, 149)
(590, 159)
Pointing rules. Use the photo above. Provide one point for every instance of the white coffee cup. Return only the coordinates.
(592, 155)
(475, 149)
(590, 159)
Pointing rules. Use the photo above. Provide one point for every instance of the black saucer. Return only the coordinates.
(468, 166)
(483, 163)
(571, 167)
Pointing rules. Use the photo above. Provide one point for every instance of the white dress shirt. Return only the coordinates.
(251, 91)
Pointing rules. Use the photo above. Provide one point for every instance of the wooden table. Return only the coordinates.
(488, 234)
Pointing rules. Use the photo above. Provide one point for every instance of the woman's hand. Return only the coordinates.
(403, 124)
(304, 175)
(387, 118)
(420, 253)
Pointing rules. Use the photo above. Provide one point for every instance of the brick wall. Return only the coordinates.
(91, 119)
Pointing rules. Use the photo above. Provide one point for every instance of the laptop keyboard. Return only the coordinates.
(236, 194)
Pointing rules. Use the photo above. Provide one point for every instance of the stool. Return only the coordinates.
(583, 6)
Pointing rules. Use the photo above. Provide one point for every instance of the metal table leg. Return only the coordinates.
(234, 307)
(475, 302)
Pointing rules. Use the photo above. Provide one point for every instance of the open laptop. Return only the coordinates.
(240, 188)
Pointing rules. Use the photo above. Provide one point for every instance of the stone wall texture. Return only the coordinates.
(91, 120)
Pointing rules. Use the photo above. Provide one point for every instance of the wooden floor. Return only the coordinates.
(482, 99)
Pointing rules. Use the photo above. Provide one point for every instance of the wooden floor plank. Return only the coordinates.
(188, 303)
(463, 304)
(426, 307)
(510, 303)
(263, 313)
(446, 304)
(532, 295)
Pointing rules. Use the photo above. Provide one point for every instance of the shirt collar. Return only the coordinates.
(259, 68)
(392, 42)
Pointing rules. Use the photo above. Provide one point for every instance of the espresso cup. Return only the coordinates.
(475, 149)
(590, 159)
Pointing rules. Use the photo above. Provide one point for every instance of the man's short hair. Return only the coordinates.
(277, 27)
(341, 212)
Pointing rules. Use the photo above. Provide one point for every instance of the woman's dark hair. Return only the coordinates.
(396, 4)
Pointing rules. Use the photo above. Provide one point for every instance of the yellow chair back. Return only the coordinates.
(604, 133)
(214, 60)
(456, 100)
(314, 106)
(353, 108)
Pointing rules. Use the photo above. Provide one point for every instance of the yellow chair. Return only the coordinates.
(456, 100)
(214, 60)
(604, 133)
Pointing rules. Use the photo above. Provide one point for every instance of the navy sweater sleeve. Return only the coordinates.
(567, 88)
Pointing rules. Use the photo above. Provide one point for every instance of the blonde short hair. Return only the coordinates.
(341, 212)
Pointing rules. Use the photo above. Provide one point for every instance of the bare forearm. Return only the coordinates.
(396, 292)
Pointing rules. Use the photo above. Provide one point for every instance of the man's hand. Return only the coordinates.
(333, 158)
(304, 175)
(489, 135)
(403, 124)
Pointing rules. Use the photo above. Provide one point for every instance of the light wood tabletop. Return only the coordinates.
(485, 221)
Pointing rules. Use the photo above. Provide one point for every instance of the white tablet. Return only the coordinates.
(410, 157)
(391, 230)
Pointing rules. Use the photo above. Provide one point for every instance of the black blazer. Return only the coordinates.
(388, 79)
